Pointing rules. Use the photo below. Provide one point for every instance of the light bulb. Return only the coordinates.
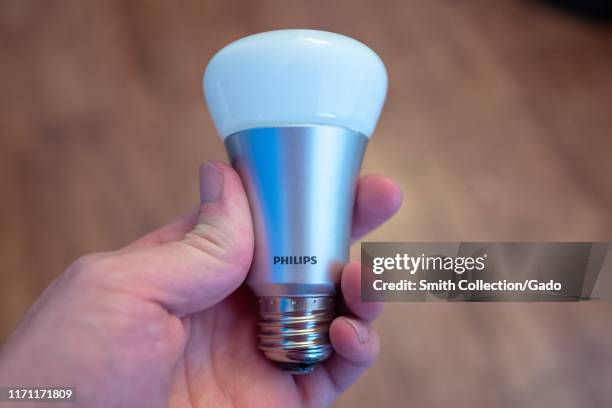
(295, 109)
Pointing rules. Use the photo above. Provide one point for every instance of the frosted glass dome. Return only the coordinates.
(294, 78)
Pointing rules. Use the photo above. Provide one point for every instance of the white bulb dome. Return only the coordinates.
(293, 78)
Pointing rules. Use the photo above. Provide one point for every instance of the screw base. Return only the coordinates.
(294, 331)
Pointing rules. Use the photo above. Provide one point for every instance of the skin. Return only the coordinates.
(167, 321)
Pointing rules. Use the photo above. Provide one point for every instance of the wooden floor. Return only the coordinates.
(498, 125)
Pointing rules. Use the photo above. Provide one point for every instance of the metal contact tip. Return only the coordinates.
(294, 331)
(297, 368)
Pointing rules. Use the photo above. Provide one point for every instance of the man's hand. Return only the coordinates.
(167, 321)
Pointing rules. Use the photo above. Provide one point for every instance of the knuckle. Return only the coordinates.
(86, 262)
(95, 269)
(207, 237)
(215, 241)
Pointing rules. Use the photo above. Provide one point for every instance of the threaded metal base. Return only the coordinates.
(294, 331)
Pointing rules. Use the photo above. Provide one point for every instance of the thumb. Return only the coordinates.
(207, 264)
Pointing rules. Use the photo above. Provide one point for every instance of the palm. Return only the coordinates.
(222, 366)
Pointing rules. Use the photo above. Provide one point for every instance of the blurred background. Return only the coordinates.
(498, 126)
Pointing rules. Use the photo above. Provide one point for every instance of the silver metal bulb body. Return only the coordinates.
(300, 181)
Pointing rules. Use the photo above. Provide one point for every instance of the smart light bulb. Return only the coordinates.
(295, 109)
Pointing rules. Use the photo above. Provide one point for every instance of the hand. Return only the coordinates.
(167, 321)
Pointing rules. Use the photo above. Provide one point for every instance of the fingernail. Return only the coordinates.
(362, 332)
(211, 183)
